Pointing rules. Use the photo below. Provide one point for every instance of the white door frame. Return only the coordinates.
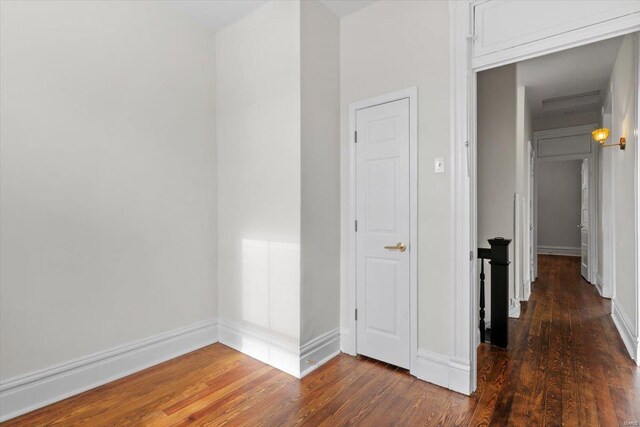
(605, 282)
(463, 154)
(529, 252)
(411, 93)
(592, 157)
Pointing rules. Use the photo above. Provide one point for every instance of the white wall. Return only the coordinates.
(606, 226)
(108, 178)
(387, 46)
(320, 223)
(524, 137)
(259, 184)
(497, 148)
(559, 195)
(624, 109)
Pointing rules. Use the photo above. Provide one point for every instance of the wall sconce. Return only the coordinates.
(601, 136)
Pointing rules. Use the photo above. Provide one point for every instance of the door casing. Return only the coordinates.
(605, 280)
(464, 71)
(348, 343)
(593, 158)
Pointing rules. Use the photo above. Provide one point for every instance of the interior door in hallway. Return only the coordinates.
(533, 244)
(383, 232)
(584, 222)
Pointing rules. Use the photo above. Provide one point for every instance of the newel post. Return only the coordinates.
(499, 291)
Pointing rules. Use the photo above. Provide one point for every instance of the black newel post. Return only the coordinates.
(499, 291)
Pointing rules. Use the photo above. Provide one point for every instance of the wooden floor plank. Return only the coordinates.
(566, 365)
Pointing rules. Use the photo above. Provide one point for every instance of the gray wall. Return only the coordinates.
(497, 107)
(320, 211)
(559, 184)
(108, 178)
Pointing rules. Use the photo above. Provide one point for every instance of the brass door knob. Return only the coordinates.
(398, 247)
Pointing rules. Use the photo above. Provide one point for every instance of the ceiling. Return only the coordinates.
(214, 14)
(578, 71)
(343, 8)
(217, 14)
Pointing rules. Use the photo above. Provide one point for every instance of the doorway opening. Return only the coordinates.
(547, 185)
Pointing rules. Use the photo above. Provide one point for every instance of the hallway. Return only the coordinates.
(567, 365)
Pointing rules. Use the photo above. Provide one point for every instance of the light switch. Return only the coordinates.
(438, 166)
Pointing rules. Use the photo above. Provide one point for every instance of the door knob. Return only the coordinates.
(398, 247)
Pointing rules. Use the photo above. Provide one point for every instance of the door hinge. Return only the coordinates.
(356, 314)
(356, 226)
(470, 255)
(355, 136)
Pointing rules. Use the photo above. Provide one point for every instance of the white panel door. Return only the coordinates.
(383, 230)
(533, 246)
(584, 221)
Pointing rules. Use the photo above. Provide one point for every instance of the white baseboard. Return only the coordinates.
(319, 351)
(266, 348)
(599, 285)
(558, 250)
(602, 289)
(526, 291)
(274, 351)
(26, 393)
(514, 309)
(32, 391)
(345, 342)
(624, 326)
(443, 370)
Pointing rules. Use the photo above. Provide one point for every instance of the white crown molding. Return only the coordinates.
(28, 392)
(624, 326)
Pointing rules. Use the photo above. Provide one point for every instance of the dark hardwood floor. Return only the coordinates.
(566, 366)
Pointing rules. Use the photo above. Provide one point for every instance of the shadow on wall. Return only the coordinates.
(270, 285)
